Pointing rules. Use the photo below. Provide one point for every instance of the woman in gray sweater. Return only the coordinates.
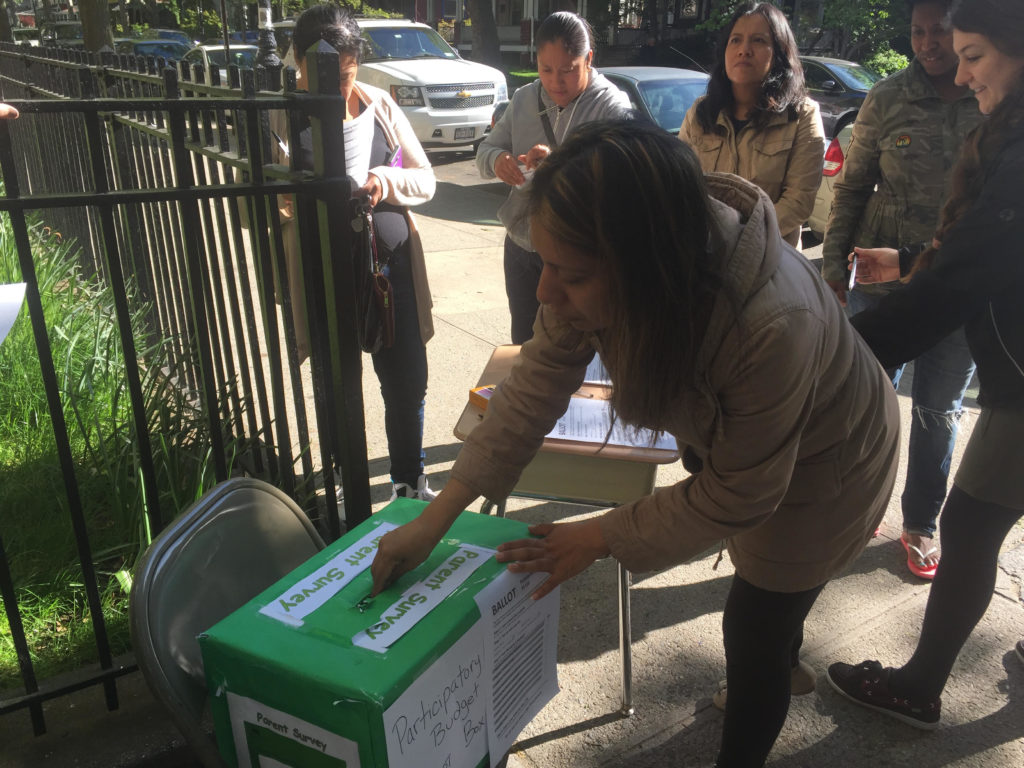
(568, 93)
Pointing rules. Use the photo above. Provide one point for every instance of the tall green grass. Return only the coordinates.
(34, 513)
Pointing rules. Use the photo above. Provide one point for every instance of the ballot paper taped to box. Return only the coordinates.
(300, 676)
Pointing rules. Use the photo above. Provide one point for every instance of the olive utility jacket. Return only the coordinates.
(905, 140)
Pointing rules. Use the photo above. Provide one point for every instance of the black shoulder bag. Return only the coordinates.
(375, 296)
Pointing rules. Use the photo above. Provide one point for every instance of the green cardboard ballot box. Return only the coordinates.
(307, 675)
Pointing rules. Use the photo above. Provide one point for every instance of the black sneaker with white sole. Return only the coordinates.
(867, 684)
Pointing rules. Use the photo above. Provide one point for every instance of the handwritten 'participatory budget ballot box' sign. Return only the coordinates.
(443, 669)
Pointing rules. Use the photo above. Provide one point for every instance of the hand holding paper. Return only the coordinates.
(566, 550)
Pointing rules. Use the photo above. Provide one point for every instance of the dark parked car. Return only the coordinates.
(62, 34)
(839, 87)
(172, 50)
(168, 34)
(661, 94)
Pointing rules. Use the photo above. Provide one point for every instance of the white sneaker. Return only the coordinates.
(421, 491)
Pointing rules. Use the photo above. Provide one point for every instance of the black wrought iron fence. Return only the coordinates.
(165, 183)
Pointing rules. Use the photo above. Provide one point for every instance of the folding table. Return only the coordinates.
(579, 473)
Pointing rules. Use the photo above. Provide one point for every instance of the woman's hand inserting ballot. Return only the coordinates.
(404, 548)
(564, 550)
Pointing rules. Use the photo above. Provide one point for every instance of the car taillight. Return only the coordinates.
(833, 159)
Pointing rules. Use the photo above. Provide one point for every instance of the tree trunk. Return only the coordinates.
(5, 23)
(486, 47)
(95, 15)
(650, 18)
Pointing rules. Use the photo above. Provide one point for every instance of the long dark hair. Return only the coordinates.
(1002, 22)
(634, 197)
(569, 29)
(334, 24)
(782, 89)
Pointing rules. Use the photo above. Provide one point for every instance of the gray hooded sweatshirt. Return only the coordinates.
(520, 129)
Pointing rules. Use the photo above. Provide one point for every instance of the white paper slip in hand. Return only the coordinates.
(11, 297)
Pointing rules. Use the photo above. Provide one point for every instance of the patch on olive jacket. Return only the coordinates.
(903, 140)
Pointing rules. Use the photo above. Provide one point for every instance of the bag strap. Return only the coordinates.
(378, 265)
(546, 121)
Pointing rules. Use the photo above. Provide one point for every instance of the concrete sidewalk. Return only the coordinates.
(874, 611)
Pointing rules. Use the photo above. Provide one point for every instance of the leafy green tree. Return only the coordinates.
(885, 61)
(861, 27)
(853, 29)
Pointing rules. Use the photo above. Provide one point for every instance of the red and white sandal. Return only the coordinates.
(917, 560)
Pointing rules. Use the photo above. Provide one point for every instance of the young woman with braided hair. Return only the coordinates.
(971, 275)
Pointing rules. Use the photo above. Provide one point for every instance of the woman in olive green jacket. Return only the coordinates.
(756, 120)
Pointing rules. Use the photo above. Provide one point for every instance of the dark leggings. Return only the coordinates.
(763, 632)
(972, 533)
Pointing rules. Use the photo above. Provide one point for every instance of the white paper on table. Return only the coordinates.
(587, 420)
(440, 719)
(597, 373)
(520, 642)
(308, 594)
(11, 297)
(422, 597)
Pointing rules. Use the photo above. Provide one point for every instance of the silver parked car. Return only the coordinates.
(661, 94)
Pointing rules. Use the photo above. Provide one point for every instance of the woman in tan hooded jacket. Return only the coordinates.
(717, 332)
(757, 121)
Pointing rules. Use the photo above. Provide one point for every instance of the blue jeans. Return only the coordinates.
(402, 368)
(941, 376)
(522, 274)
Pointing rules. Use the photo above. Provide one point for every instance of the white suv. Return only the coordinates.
(447, 99)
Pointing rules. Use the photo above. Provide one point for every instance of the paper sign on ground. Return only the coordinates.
(520, 642)
(587, 420)
(258, 729)
(439, 721)
(11, 296)
(422, 597)
(304, 597)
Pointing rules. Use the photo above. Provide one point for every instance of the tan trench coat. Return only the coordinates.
(797, 426)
